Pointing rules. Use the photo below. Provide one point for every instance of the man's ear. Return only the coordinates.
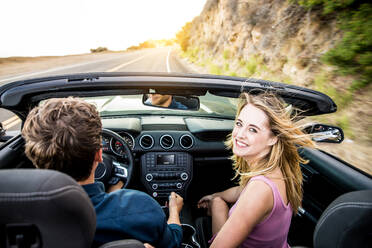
(98, 156)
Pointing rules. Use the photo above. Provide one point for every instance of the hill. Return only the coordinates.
(321, 44)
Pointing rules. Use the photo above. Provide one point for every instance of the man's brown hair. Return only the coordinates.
(63, 134)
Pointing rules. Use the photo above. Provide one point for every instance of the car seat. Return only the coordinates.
(346, 223)
(46, 208)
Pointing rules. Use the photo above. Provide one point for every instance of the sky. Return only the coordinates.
(62, 27)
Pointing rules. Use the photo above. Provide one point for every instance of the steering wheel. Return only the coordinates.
(112, 169)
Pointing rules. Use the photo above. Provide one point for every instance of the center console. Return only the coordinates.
(164, 172)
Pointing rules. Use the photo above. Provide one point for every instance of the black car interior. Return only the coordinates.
(159, 154)
(46, 208)
(205, 168)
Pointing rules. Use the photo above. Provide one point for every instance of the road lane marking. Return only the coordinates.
(51, 70)
(127, 63)
(168, 67)
(206, 108)
(11, 122)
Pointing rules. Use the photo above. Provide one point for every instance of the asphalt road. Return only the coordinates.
(147, 60)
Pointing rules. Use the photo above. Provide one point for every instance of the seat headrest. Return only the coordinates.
(346, 222)
(48, 204)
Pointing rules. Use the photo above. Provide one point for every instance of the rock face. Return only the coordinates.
(288, 38)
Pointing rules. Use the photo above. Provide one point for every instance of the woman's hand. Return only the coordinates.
(205, 202)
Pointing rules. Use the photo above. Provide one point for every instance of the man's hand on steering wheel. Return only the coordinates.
(115, 171)
(115, 187)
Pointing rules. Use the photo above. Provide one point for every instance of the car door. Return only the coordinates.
(325, 178)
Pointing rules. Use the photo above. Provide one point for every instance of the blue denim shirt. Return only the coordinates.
(129, 213)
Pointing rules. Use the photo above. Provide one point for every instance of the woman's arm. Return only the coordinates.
(254, 205)
(230, 195)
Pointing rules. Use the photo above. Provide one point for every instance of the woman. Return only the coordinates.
(264, 143)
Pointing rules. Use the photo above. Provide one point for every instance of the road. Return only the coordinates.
(147, 60)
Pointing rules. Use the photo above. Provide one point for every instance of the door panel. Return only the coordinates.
(324, 179)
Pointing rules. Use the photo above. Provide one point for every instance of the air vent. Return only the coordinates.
(186, 141)
(146, 141)
(166, 141)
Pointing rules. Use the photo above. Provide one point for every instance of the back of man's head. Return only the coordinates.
(63, 134)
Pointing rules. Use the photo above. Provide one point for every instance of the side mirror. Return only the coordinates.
(7, 135)
(171, 101)
(325, 133)
(2, 131)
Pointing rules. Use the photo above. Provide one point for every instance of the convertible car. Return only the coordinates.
(157, 149)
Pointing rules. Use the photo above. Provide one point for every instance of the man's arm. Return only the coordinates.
(175, 206)
(115, 187)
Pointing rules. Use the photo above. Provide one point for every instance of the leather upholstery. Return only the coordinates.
(44, 208)
(347, 222)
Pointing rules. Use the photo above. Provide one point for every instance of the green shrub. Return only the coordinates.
(344, 123)
(215, 69)
(321, 84)
(353, 53)
(99, 50)
(226, 54)
(183, 36)
(329, 6)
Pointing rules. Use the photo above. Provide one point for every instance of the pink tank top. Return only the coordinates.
(272, 231)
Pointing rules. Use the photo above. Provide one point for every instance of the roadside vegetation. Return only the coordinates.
(353, 54)
(151, 44)
(99, 50)
(343, 72)
(351, 57)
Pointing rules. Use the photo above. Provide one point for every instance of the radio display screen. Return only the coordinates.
(165, 159)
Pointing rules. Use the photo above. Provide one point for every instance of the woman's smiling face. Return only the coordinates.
(252, 137)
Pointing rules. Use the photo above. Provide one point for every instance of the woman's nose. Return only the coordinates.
(240, 133)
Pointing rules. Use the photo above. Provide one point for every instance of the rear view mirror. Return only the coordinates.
(325, 133)
(171, 101)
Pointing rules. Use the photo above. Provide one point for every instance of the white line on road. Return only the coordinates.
(168, 67)
(205, 108)
(52, 70)
(127, 63)
(11, 122)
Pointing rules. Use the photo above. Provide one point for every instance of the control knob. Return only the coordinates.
(184, 176)
(149, 177)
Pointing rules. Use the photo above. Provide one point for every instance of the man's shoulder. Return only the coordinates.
(133, 193)
(137, 196)
(135, 202)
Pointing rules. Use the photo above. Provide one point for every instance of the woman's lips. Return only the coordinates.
(240, 144)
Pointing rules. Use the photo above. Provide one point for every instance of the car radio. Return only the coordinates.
(164, 172)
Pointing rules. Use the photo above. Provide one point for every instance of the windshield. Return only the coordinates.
(210, 106)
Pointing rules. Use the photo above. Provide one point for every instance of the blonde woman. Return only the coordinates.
(264, 142)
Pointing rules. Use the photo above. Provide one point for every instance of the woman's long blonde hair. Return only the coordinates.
(283, 153)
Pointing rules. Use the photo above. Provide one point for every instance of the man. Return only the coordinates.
(65, 135)
(164, 101)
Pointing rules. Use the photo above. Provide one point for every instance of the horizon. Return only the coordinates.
(54, 28)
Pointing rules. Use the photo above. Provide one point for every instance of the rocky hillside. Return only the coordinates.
(283, 41)
(288, 38)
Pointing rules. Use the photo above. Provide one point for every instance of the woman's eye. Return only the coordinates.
(253, 130)
(238, 124)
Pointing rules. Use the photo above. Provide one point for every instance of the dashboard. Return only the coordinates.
(165, 148)
(167, 133)
(109, 144)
